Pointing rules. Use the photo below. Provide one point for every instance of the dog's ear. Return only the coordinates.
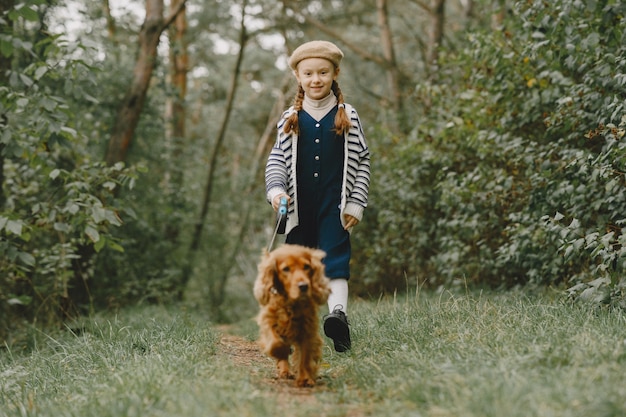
(319, 282)
(277, 286)
(266, 276)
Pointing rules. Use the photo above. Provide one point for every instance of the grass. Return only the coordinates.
(502, 355)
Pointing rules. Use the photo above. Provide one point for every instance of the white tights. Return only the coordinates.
(338, 297)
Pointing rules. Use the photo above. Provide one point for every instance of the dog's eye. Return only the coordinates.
(306, 267)
(286, 269)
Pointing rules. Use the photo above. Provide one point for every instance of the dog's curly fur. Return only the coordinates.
(290, 287)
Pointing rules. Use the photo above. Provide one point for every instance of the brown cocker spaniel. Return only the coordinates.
(290, 287)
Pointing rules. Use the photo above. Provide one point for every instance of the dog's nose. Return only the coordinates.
(303, 287)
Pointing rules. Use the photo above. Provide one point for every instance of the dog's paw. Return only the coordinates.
(282, 366)
(285, 375)
(305, 382)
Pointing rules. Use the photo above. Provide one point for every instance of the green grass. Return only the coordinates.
(503, 355)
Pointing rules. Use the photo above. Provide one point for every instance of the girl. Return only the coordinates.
(321, 163)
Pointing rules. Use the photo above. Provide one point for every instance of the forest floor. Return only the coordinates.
(245, 354)
(425, 355)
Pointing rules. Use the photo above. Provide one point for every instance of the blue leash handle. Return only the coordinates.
(282, 216)
(281, 221)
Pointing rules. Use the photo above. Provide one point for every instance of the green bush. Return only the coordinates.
(533, 127)
(58, 207)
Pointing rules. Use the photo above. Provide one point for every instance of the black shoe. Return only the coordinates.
(336, 328)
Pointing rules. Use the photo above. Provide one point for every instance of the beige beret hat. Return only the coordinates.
(316, 49)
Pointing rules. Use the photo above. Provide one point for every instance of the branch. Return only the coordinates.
(174, 13)
(423, 6)
(337, 35)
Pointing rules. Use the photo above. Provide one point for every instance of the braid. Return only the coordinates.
(292, 121)
(342, 121)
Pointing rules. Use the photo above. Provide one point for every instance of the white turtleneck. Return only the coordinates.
(319, 108)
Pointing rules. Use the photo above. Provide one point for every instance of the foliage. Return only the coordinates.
(531, 139)
(59, 206)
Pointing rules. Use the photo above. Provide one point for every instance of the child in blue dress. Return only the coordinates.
(321, 163)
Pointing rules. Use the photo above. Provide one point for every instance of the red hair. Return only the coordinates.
(342, 121)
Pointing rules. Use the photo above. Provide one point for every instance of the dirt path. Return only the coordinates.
(246, 353)
(241, 351)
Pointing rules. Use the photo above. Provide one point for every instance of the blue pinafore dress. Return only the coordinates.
(319, 177)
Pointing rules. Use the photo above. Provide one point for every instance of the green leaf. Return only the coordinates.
(54, 173)
(6, 48)
(99, 244)
(28, 14)
(40, 72)
(568, 252)
(109, 185)
(113, 218)
(21, 300)
(13, 14)
(48, 104)
(22, 102)
(575, 224)
(116, 247)
(62, 227)
(92, 234)
(578, 243)
(98, 214)
(26, 258)
(25, 236)
(73, 208)
(14, 227)
(28, 82)
(68, 132)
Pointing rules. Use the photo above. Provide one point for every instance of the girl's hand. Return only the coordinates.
(351, 221)
(276, 201)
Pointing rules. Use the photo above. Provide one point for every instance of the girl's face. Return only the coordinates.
(316, 76)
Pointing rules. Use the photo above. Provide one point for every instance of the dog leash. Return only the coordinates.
(281, 222)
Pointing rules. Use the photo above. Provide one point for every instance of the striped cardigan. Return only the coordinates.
(280, 171)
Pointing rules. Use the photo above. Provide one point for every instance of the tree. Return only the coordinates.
(132, 104)
(111, 29)
(176, 117)
(217, 297)
(393, 72)
(435, 36)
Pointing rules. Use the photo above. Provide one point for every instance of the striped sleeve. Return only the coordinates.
(276, 169)
(358, 171)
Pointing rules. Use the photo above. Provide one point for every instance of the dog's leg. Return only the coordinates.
(274, 346)
(281, 352)
(308, 356)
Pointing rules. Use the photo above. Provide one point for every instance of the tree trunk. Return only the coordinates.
(393, 74)
(468, 10)
(176, 116)
(199, 226)
(111, 28)
(132, 104)
(254, 178)
(435, 36)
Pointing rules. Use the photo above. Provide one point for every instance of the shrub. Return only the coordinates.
(58, 207)
(532, 128)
